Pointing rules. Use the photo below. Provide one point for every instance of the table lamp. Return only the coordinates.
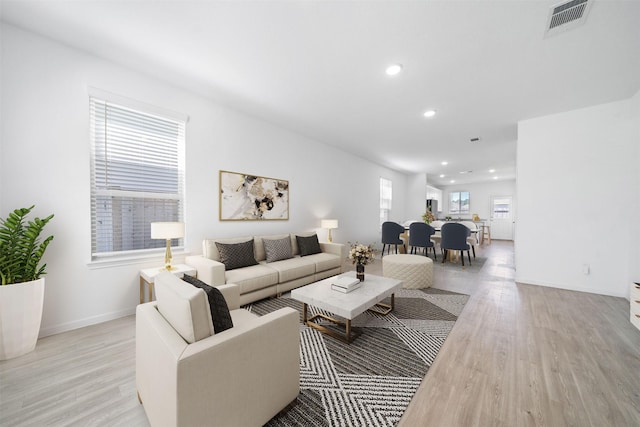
(329, 224)
(168, 231)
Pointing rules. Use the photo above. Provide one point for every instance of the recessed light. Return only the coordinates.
(429, 113)
(444, 163)
(393, 70)
(492, 170)
(441, 175)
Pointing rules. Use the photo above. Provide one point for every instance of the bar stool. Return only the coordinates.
(486, 233)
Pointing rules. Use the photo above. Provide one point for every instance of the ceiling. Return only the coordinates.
(318, 67)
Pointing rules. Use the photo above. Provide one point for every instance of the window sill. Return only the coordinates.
(134, 259)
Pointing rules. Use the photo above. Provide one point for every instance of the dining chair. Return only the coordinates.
(391, 232)
(420, 237)
(454, 238)
(472, 240)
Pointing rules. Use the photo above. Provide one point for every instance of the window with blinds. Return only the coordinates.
(385, 199)
(137, 177)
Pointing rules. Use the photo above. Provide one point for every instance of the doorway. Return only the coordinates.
(501, 219)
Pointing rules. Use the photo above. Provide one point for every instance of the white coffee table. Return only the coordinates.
(367, 297)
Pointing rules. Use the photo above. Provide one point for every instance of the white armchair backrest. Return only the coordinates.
(184, 306)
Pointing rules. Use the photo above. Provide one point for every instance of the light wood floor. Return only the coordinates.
(517, 356)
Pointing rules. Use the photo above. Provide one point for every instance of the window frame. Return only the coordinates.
(459, 196)
(135, 197)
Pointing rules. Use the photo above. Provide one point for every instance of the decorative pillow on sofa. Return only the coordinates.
(220, 315)
(236, 255)
(277, 249)
(308, 245)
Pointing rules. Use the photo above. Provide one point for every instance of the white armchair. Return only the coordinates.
(240, 377)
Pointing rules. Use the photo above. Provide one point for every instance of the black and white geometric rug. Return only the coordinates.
(371, 381)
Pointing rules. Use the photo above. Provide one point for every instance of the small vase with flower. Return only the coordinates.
(428, 217)
(361, 255)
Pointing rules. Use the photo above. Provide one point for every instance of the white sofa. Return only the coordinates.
(187, 375)
(268, 279)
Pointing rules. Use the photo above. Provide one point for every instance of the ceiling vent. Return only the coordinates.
(567, 15)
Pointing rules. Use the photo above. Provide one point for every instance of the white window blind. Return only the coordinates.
(385, 199)
(137, 176)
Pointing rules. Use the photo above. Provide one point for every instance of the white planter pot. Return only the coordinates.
(20, 317)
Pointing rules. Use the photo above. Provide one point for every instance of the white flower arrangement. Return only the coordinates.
(361, 254)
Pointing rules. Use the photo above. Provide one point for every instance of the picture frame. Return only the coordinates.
(249, 197)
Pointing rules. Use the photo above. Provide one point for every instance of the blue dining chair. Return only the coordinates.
(420, 237)
(454, 238)
(391, 232)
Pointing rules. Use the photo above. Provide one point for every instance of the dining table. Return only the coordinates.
(453, 256)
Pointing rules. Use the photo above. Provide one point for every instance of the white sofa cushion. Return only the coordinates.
(184, 306)
(325, 261)
(243, 317)
(252, 278)
(294, 268)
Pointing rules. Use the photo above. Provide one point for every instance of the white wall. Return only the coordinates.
(480, 197)
(416, 195)
(578, 198)
(634, 250)
(45, 161)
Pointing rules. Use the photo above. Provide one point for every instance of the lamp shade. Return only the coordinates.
(167, 230)
(329, 223)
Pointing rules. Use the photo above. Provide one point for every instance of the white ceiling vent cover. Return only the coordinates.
(567, 15)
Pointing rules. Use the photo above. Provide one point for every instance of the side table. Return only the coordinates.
(148, 276)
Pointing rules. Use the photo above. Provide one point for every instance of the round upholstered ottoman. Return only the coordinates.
(415, 271)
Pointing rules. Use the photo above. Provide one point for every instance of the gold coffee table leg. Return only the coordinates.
(347, 334)
(384, 309)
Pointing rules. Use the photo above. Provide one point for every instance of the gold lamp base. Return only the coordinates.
(167, 257)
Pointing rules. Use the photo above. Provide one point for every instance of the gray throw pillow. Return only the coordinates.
(236, 255)
(277, 249)
(308, 245)
(220, 315)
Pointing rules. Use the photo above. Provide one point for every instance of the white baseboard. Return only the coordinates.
(64, 327)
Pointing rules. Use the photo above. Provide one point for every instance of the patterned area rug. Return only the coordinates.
(371, 381)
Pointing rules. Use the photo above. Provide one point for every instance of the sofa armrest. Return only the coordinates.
(158, 349)
(214, 372)
(333, 248)
(231, 294)
(209, 271)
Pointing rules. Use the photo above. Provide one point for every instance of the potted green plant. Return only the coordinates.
(21, 284)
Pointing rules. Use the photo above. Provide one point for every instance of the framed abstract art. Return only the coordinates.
(251, 197)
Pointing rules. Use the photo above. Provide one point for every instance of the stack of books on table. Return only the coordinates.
(345, 284)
